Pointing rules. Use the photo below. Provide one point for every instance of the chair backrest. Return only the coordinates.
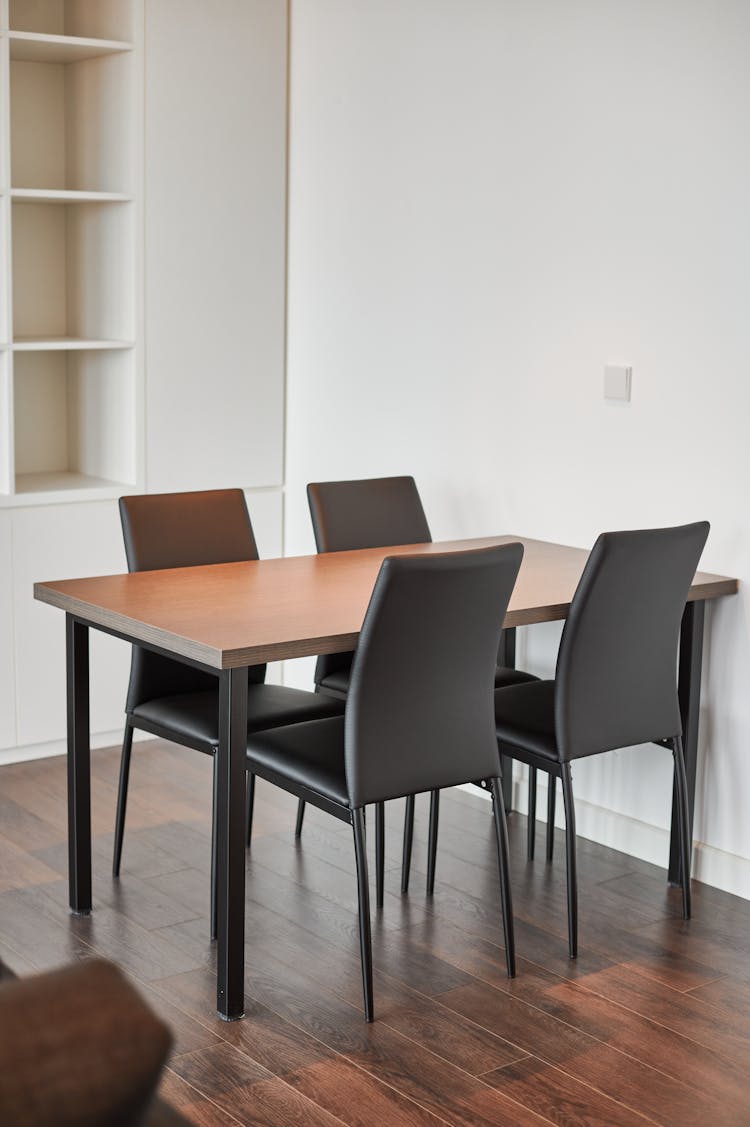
(420, 710)
(186, 529)
(374, 512)
(616, 681)
(163, 530)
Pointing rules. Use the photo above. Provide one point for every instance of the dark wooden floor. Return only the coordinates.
(652, 1024)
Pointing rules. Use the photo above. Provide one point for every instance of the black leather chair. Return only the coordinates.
(165, 697)
(616, 678)
(347, 515)
(376, 513)
(370, 513)
(419, 711)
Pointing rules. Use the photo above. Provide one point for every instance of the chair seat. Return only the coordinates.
(194, 717)
(309, 755)
(525, 719)
(338, 681)
(507, 676)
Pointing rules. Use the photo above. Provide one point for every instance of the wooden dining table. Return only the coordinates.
(225, 618)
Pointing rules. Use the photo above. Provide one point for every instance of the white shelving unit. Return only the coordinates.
(70, 266)
(83, 202)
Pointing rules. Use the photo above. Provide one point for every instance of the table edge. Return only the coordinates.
(134, 631)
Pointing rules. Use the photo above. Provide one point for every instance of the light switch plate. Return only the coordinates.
(617, 380)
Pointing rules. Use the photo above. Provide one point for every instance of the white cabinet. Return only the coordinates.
(70, 206)
(54, 542)
(7, 664)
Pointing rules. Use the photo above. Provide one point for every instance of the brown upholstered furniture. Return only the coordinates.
(80, 1048)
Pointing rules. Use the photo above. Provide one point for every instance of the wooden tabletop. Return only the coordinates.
(231, 615)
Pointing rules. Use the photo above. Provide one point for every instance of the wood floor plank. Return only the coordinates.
(274, 1043)
(139, 951)
(194, 1105)
(561, 1098)
(27, 830)
(14, 960)
(468, 1046)
(691, 1015)
(274, 1103)
(483, 959)
(438, 1086)
(32, 923)
(19, 869)
(730, 913)
(188, 1030)
(701, 940)
(217, 1068)
(142, 857)
(357, 1098)
(733, 998)
(630, 1081)
(646, 1040)
(649, 950)
(244, 1089)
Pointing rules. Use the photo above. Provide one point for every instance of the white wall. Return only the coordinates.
(488, 202)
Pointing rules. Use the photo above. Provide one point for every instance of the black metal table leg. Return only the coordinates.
(79, 766)
(507, 657)
(231, 753)
(689, 684)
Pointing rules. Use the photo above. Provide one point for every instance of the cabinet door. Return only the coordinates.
(7, 672)
(215, 243)
(64, 542)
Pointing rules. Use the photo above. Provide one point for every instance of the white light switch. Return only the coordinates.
(617, 380)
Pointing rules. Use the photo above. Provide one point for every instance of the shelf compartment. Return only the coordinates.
(45, 487)
(71, 128)
(74, 420)
(31, 47)
(98, 19)
(73, 271)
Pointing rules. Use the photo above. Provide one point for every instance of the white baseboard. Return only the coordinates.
(726, 871)
(59, 747)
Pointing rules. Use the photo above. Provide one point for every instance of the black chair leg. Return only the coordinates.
(380, 853)
(215, 852)
(300, 818)
(683, 817)
(570, 857)
(531, 827)
(363, 895)
(122, 797)
(506, 900)
(551, 796)
(250, 790)
(408, 839)
(433, 840)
